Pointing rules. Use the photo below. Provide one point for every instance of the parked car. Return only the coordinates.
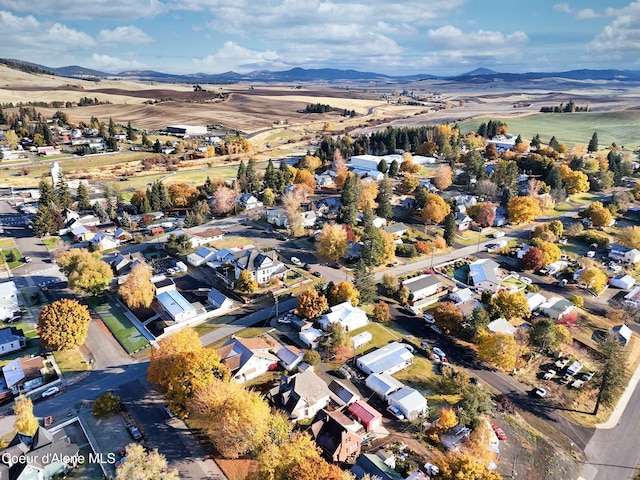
(591, 254)
(395, 412)
(50, 391)
(413, 310)
(563, 282)
(540, 392)
(425, 345)
(435, 329)
(296, 261)
(317, 274)
(499, 432)
(439, 352)
(134, 432)
(526, 280)
(27, 259)
(428, 318)
(497, 234)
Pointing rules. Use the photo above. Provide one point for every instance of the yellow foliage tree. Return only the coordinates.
(630, 237)
(343, 291)
(409, 166)
(594, 278)
(306, 180)
(246, 283)
(368, 193)
(447, 418)
(381, 312)
(137, 290)
(162, 358)
(140, 464)
(340, 167)
(388, 247)
(523, 209)
(182, 194)
(311, 304)
(64, 324)
(435, 209)
(601, 217)
(498, 349)
(25, 422)
(443, 177)
(85, 271)
(512, 305)
(237, 420)
(409, 183)
(550, 252)
(332, 241)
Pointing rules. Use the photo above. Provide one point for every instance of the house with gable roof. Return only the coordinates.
(337, 435)
(422, 286)
(301, 395)
(263, 266)
(201, 256)
(350, 317)
(11, 340)
(23, 374)
(391, 358)
(483, 275)
(247, 358)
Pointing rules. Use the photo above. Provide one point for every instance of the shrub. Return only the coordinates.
(408, 251)
(592, 237)
(312, 358)
(577, 300)
(106, 403)
(423, 248)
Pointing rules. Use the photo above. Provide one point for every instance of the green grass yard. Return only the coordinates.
(119, 325)
(17, 257)
(70, 362)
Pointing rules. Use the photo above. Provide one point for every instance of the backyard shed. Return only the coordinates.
(625, 282)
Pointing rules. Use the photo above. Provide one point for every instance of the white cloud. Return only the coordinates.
(563, 7)
(622, 35)
(587, 14)
(128, 34)
(477, 42)
(234, 57)
(94, 9)
(113, 64)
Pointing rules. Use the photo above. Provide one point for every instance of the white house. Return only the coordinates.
(624, 254)
(361, 339)
(556, 267)
(247, 358)
(218, 299)
(263, 266)
(301, 395)
(483, 275)
(556, 307)
(461, 296)
(623, 334)
(409, 401)
(398, 229)
(422, 286)
(625, 282)
(310, 337)
(278, 217)
(201, 256)
(11, 340)
(8, 300)
(382, 384)
(290, 357)
(350, 317)
(176, 306)
(391, 358)
(501, 325)
(534, 300)
(248, 201)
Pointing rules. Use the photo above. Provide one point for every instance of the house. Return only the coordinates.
(230, 255)
(80, 233)
(263, 266)
(556, 308)
(382, 384)
(201, 256)
(522, 251)
(23, 374)
(556, 267)
(389, 359)
(501, 325)
(11, 340)
(162, 284)
(463, 222)
(247, 358)
(453, 437)
(218, 299)
(622, 333)
(41, 456)
(625, 282)
(361, 339)
(374, 466)
(623, 254)
(632, 299)
(290, 357)
(483, 275)
(365, 414)
(119, 264)
(341, 395)
(409, 401)
(336, 434)
(311, 337)
(422, 286)
(204, 237)
(398, 229)
(8, 300)
(103, 242)
(278, 217)
(176, 306)
(534, 300)
(350, 317)
(325, 181)
(249, 202)
(461, 296)
(377, 222)
(301, 395)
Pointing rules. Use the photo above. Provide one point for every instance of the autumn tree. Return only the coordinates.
(574, 181)
(235, 419)
(341, 292)
(389, 283)
(140, 464)
(459, 465)
(601, 217)
(368, 193)
(291, 202)
(63, 324)
(447, 418)
(169, 348)
(448, 316)
(613, 371)
(388, 247)
(523, 209)
(311, 304)
(85, 271)
(533, 259)
(594, 279)
(340, 167)
(25, 422)
(105, 404)
(483, 213)
(443, 177)
(498, 349)
(381, 312)
(137, 290)
(550, 252)
(630, 237)
(182, 194)
(246, 283)
(306, 180)
(409, 183)
(435, 209)
(543, 335)
(332, 241)
(224, 201)
(511, 305)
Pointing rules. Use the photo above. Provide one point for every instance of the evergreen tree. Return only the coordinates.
(63, 193)
(372, 249)
(145, 206)
(593, 143)
(157, 147)
(350, 199)
(253, 180)
(271, 177)
(125, 220)
(154, 198)
(165, 199)
(43, 223)
(364, 282)
(383, 166)
(450, 228)
(287, 176)
(3, 118)
(145, 139)
(383, 199)
(83, 198)
(535, 141)
(553, 143)
(242, 171)
(131, 134)
(112, 127)
(190, 220)
(48, 195)
(518, 140)
(100, 212)
(394, 168)
(554, 179)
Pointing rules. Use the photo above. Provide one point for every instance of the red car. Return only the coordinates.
(499, 432)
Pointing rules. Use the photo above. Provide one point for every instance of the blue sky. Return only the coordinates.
(440, 37)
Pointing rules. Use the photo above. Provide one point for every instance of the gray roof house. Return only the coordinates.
(301, 395)
(624, 254)
(248, 201)
(200, 256)
(483, 275)
(263, 266)
(389, 359)
(556, 307)
(341, 395)
(218, 299)
(398, 229)
(289, 357)
(11, 340)
(373, 465)
(409, 401)
(422, 286)
(382, 384)
(247, 358)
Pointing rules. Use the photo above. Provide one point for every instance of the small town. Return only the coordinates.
(408, 304)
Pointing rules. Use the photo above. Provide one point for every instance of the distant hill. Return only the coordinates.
(298, 74)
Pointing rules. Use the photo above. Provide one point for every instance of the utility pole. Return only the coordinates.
(275, 299)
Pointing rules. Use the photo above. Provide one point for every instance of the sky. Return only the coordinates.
(402, 37)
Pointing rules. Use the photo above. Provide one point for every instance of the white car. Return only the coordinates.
(540, 392)
(395, 412)
(498, 234)
(413, 310)
(429, 319)
(296, 261)
(526, 280)
(50, 391)
(439, 352)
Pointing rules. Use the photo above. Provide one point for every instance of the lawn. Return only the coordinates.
(249, 332)
(231, 242)
(381, 336)
(51, 242)
(7, 243)
(70, 362)
(513, 282)
(121, 327)
(12, 253)
(420, 375)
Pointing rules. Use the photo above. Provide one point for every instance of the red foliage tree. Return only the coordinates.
(533, 259)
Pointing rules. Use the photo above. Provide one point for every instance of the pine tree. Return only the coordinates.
(270, 176)
(383, 199)
(48, 195)
(44, 222)
(593, 143)
(131, 134)
(383, 166)
(553, 143)
(125, 220)
(157, 147)
(190, 220)
(372, 249)
(84, 203)
(364, 282)
(100, 212)
(450, 229)
(242, 171)
(350, 199)
(287, 176)
(165, 199)
(253, 180)
(112, 127)
(535, 141)
(63, 193)
(145, 206)
(394, 168)
(554, 179)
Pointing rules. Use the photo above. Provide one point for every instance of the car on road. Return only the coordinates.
(395, 411)
(27, 259)
(307, 267)
(412, 310)
(134, 432)
(425, 345)
(526, 280)
(499, 432)
(563, 282)
(296, 261)
(428, 318)
(439, 352)
(540, 392)
(317, 274)
(50, 391)
(435, 329)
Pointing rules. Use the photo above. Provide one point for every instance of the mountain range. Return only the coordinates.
(479, 76)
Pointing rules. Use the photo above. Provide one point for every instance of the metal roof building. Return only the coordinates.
(389, 359)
